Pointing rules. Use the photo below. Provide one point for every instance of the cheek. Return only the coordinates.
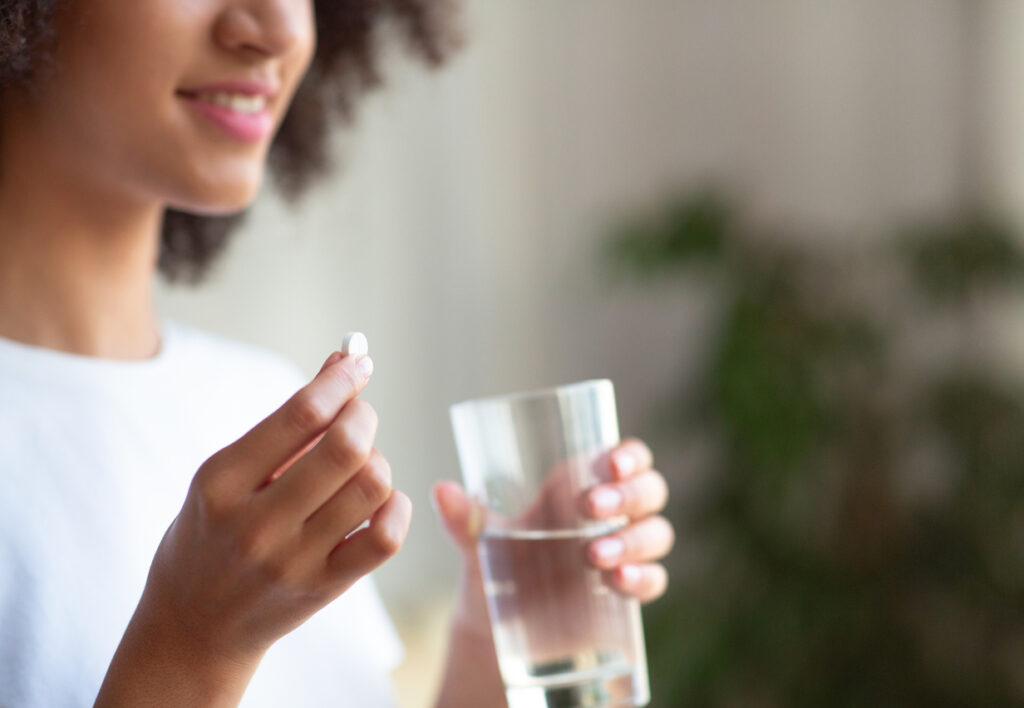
(151, 144)
(177, 156)
(113, 112)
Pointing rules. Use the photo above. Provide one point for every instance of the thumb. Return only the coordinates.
(462, 517)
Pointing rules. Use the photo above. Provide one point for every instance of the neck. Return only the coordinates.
(77, 258)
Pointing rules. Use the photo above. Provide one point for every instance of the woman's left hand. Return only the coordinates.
(629, 556)
(628, 559)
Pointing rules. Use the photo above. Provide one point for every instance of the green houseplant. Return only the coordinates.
(857, 537)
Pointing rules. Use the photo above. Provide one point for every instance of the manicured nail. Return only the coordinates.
(606, 500)
(609, 549)
(630, 575)
(365, 366)
(625, 463)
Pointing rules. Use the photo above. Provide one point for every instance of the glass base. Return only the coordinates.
(629, 690)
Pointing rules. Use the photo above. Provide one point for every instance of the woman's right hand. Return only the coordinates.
(260, 544)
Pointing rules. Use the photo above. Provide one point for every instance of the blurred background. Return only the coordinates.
(789, 232)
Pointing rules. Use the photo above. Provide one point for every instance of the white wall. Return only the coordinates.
(461, 236)
(1001, 102)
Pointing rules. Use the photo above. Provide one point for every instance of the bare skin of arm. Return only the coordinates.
(471, 676)
(153, 667)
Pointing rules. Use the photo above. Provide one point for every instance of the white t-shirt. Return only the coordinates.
(96, 456)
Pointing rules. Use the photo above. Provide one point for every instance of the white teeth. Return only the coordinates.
(235, 101)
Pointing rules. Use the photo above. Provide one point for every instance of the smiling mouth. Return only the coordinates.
(240, 116)
(240, 102)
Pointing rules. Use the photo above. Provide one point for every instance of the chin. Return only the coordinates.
(221, 199)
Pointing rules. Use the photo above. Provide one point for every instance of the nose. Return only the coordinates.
(265, 27)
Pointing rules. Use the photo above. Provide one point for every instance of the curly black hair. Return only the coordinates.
(344, 67)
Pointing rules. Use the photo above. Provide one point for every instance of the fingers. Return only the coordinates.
(637, 497)
(630, 457)
(281, 436)
(367, 548)
(335, 356)
(645, 581)
(342, 452)
(646, 540)
(462, 517)
(355, 502)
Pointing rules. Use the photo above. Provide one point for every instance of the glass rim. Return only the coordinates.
(532, 394)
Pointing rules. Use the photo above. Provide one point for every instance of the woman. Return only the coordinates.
(131, 136)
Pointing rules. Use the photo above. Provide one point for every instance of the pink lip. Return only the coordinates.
(248, 127)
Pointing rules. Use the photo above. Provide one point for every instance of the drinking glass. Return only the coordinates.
(563, 637)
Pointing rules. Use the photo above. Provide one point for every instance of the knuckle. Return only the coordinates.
(206, 489)
(655, 582)
(648, 533)
(661, 485)
(252, 544)
(630, 498)
(632, 541)
(646, 450)
(645, 494)
(338, 448)
(386, 541)
(380, 467)
(346, 446)
(365, 413)
(654, 490)
(373, 484)
(345, 377)
(352, 440)
(277, 570)
(641, 449)
(212, 465)
(668, 531)
(307, 413)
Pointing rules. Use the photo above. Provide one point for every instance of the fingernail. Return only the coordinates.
(365, 366)
(609, 549)
(606, 500)
(625, 463)
(630, 575)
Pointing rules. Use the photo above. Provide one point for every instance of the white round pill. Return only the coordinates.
(355, 344)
